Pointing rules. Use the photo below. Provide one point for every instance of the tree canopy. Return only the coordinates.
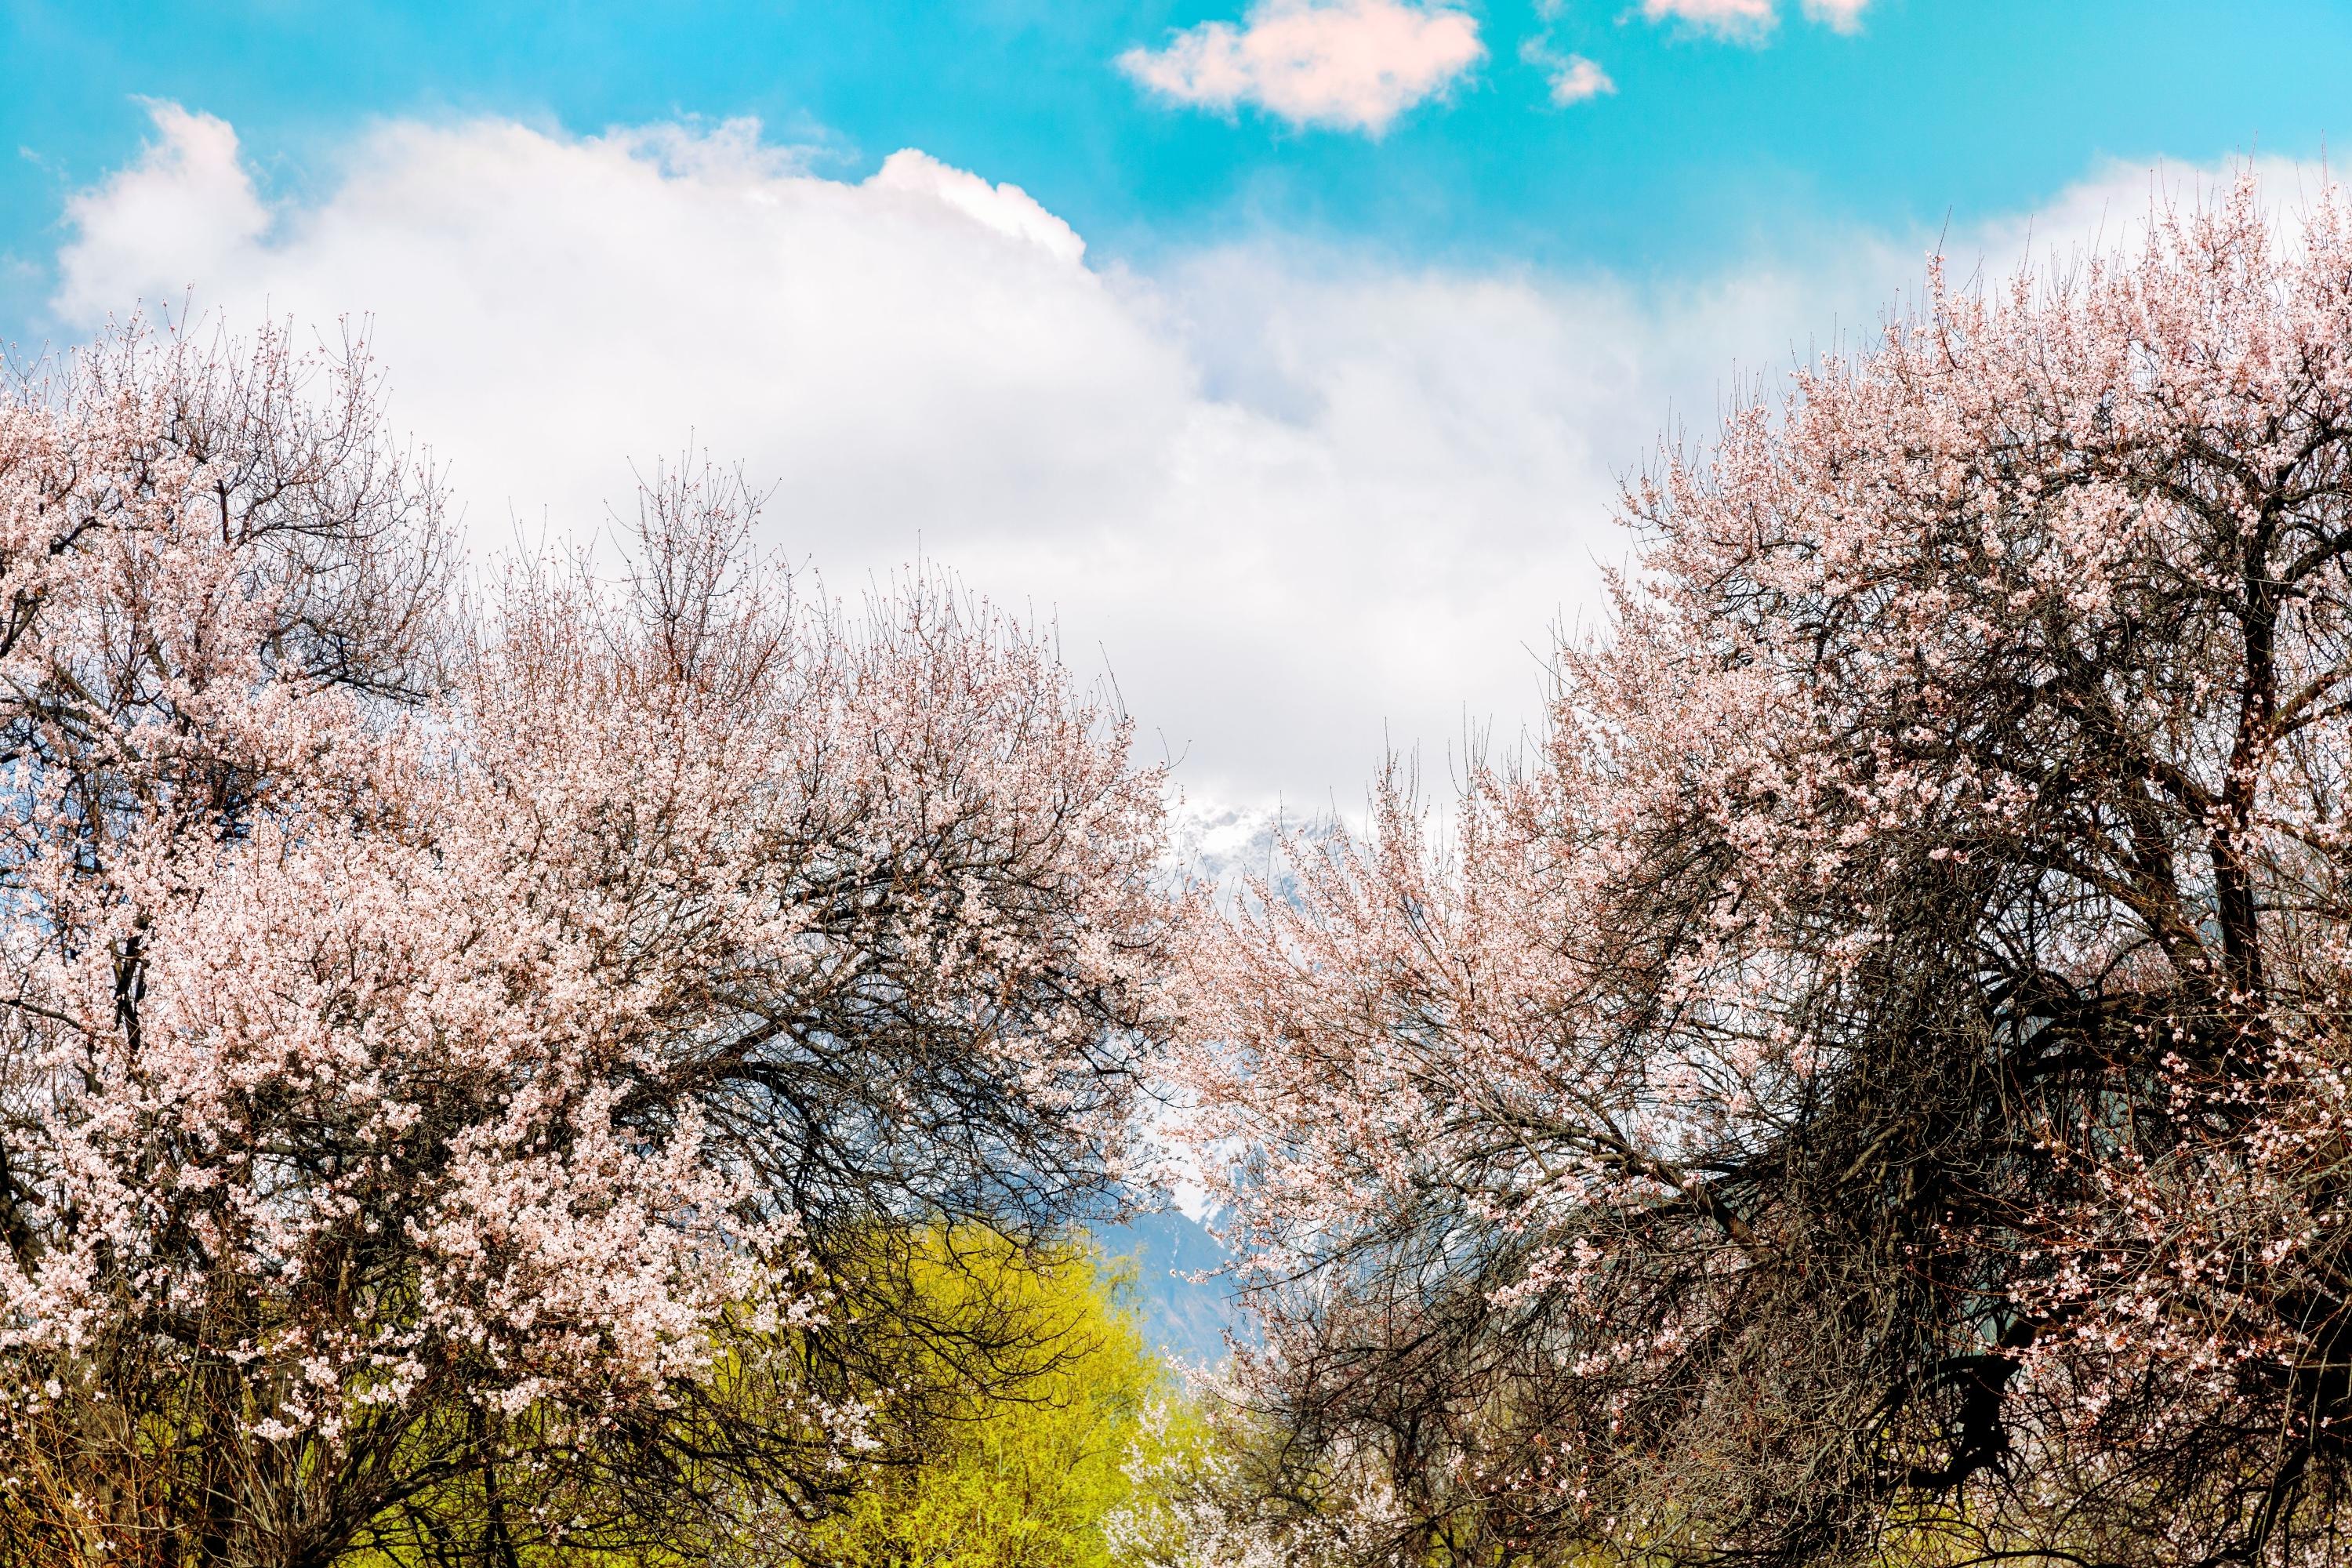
(609, 1068)
(463, 1063)
(1023, 1470)
(1872, 1085)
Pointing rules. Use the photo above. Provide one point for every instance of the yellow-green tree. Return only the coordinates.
(1022, 1470)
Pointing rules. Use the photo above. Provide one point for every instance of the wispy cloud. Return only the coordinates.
(1839, 16)
(1724, 18)
(1349, 65)
(1573, 78)
(1751, 20)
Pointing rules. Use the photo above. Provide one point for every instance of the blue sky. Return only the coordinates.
(1708, 147)
(1305, 426)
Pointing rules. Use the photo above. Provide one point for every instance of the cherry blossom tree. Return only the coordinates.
(1871, 1085)
(462, 1067)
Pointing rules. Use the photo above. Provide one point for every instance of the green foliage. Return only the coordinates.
(1020, 1471)
(1015, 1397)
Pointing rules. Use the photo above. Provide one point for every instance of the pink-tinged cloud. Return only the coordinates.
(1727, 18)
(1573, 78)
(1350, 64)
(171, 220)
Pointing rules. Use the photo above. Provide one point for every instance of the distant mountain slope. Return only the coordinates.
(1182, 1319)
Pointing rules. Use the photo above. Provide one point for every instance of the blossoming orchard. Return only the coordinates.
(612, 1056)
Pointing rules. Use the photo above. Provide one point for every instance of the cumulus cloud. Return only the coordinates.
(1571, 78)
(1350, 65)
(1302, 507)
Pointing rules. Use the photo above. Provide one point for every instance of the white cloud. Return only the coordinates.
(1572, 78)
(1300, 507)
(1351, 65)
(1304, 506)
(1007, 209)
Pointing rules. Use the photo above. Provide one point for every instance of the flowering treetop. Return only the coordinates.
(446, 1053)
(1873, 1072)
